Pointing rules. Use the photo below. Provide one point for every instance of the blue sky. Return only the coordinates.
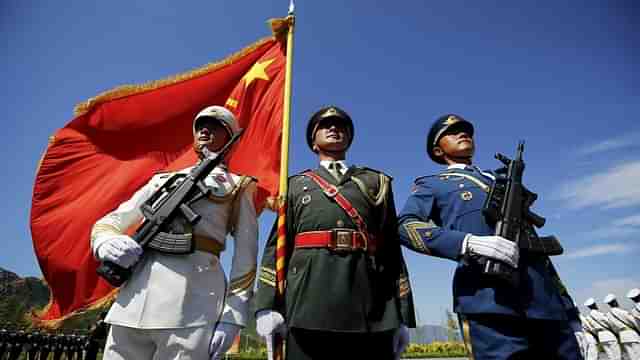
(563, 77)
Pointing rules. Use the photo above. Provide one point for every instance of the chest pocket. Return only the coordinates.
(465, 193)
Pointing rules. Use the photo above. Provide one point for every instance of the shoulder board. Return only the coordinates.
(246, 178)
(299, 174)
(375, 171)
(423, 178)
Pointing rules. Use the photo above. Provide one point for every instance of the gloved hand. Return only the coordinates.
(119, 249)
(495, 247)
(269, 323)
(222, 339)
(400, 341)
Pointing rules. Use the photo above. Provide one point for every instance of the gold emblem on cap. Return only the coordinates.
(466, 195)
(451, 120)
(331, 111)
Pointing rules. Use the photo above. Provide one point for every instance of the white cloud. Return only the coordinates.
(616, 248)
(632, 221)
(611, 144)
(599, 289)
(616, 187)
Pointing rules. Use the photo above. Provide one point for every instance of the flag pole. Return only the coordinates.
(284, 159)
(281, 242)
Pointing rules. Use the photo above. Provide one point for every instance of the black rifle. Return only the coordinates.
(508, 207)
(162, 209)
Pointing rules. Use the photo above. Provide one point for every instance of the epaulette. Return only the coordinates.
(300, 173)
(423, 178)
(376, 171)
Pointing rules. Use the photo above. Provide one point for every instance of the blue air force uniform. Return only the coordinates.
(500, 320)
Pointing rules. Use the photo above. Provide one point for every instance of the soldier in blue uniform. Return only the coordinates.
(443, 217)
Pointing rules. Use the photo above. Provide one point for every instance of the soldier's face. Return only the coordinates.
(210, 133)
(456, 143)
(332, 135)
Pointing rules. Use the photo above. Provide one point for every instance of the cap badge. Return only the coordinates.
(451, 120)
(466, 195)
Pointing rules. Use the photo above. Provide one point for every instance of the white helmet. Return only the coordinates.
(609, 299)
(590, 302)
(633, 293)
(221, 114)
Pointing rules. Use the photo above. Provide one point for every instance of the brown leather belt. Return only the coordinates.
(336, 240)
(208, 245)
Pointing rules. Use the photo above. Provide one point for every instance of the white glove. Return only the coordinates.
(222, 339)
(582, 343)
(269, 322)
(119, 249)
(400, 341)
(495, 247)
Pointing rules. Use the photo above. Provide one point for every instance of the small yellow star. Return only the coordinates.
(257, 71)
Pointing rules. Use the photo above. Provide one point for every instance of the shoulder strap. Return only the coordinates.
(332, 192)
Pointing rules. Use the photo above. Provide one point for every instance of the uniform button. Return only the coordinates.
(461, 185)
(294, 270)
(340, 223)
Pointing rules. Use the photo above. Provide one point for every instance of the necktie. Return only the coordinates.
(335, 170)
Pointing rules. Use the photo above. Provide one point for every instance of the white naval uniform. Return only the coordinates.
(606, 337)
(188, 291)
(635, 312)
(627, 328)
(591, 347)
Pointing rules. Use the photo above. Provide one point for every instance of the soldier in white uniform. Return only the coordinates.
(626, 326)
(634, 295)
(181, 306)
(604, 330)
(590, 351)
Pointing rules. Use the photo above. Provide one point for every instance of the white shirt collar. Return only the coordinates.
(469, 167)
(326, 163)
(457, 166)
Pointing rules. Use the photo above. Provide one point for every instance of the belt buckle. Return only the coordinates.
(341, 240)
(331, 191)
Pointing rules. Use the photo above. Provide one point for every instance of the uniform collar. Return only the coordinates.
(325, 164)
(471, 168)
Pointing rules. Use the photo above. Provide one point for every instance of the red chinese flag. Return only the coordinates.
(119, 139)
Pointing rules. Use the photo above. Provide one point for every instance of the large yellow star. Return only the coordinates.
(257, 71)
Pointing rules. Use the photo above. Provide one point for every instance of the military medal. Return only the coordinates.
(466, 195)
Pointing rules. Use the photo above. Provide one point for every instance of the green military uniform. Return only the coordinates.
(332, 292)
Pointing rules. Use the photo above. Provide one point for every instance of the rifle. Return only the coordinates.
(508, 207)
(171, 202)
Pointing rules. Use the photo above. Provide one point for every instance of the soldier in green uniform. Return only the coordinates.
(347, 288)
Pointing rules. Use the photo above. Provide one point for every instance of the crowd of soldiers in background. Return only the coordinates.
(18, 343)
(612, 335)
